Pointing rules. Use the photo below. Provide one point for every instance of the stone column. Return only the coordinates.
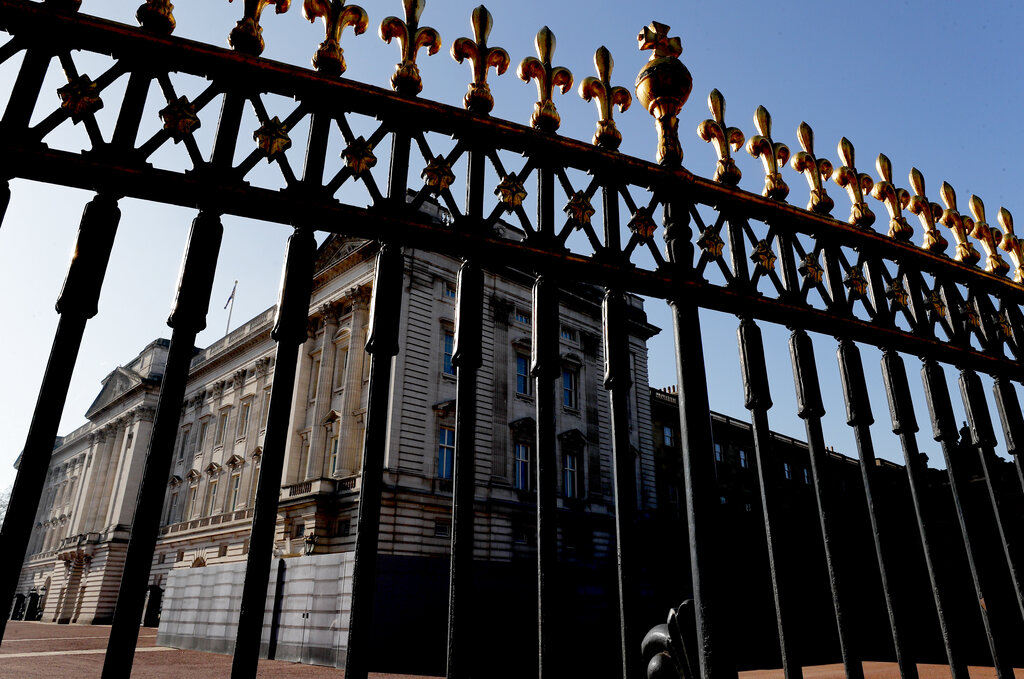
(81, 506)
(77, 481)
(297, 421)
(100, 462)
(351, 437)
(114, 460)
(122, 505)
(325, 383)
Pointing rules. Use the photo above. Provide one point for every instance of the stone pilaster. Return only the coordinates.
(293, 471)
(325, 383)
(81, 506)
(113, 468)
(122, 506)
(351, 424)
(100, 461)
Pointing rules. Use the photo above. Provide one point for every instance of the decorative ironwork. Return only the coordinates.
(411, 37)
(247, 35)
(545, 116)
(817, 171)
(438, 174)
(856, 282)
(156, 16)
(272, 138)
(511, 192)
(722, 137)
(483, 57)
(359, 156)
(601, 91)
(180, 119)
(764, 256)
(662, 87)
(894, 199)
(927, 212)
(711, 243)
(579, 209)
(330, 58)
(857, 185)
(810, 269)
(898, 294)
(80, 98)
(1011, 245)
(952, 220)
(990, 238)
(642, 224)
(773, 155)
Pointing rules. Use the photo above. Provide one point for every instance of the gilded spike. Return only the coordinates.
(80, 98)
(989, 238)
(330, 58)
(662, 87)
(606, 96)
(247, 35)
(857, 185)
(894, 199)
(1011, 245)
(545, 116)
(478, 99)
(406, 78)
(953, 221)
(722, 137)
(773, 155)
(927, 212)
(817, 171)
(156, 16)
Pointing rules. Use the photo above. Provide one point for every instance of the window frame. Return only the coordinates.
(521, 476)
(447, 352)
(523, 378)
(445, 460)
(571, 392)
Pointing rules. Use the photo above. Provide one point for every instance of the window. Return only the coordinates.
(570, 380)
(569, 334)
(445, 452)
(222, 551)
(786, 471)
(340, 364)
(522, 466)
(333, 462)
(222, 426)
(449, 349)
(211, 499)
(265, 415)
(807, 476)
(718, 452)
(522, 375)
(443, 529)
(744, 460)
(184, 443)
(255, 484)
(668, 436)
(314, 380)
(748, 507)
(204, 428)
(191, 503)
(243, 419)
(236, 482)
(570, 475)
(449, 290)
(722, 500)
(522, 316)
(172, 508)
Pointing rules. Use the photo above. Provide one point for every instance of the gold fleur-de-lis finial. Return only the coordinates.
(894, 199)
(773, 155)
(330, 58)
(1011, 245)
(606, 96)
(156, 16)
(989, 237)
(478, 99)
(817, 171)
(952, 220)
(247, 35)
(406, 78)
(857, 185)
(927, 212)
(662, 87)
(545, 116)
(722, 137)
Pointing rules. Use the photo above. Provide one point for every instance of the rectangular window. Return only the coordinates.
(236, 482)
(668, 436)
(255, 484)
(807, 476)
(570, 476)
(222, 426)
(191, 502)
(522, 316)
(211, 499)
(786, 471)
(265, 415)
(744, 460)
(445, 452)
(522, 375)
(243, 419)
(449, 290)
(522, 466)
(340, 364)
(449, 349)
(204, 428)
(569, 334)
(442, 529)
(569, 391)
(184, 443)
(314, 380)
(718, 452)
(172, 508)
(333, 463)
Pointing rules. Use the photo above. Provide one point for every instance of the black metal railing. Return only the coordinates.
(721, 248)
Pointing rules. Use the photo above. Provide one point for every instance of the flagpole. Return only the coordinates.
(231, 301)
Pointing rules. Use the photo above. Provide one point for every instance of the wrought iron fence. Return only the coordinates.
(597, 213)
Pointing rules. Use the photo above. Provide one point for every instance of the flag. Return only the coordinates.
(232, 295)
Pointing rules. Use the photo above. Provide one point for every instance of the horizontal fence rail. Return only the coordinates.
(597, 220)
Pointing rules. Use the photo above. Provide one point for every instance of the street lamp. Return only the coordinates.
(309, 543)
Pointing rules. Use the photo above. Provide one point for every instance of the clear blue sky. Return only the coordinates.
(937, 85)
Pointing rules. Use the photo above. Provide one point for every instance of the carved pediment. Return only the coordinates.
(212, 468)
(235, 460)
(445, 407)
(175, 481)
(193, 474)
(118, 382)
(573, 439)
(257, 453)
(524, 427)
(335, 249)
(331, 417)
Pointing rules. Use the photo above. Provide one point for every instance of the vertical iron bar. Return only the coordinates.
(858, 416)
(811, 410)
(1012, 420)
(758, 400)
(697, 446)
(944, 431)
(984, 441)
(290, 333)
(466, 358)
(904, 424)
(77, 303)
(18, 113)
(382, 345)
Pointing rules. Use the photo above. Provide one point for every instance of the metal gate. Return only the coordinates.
(895, 288)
